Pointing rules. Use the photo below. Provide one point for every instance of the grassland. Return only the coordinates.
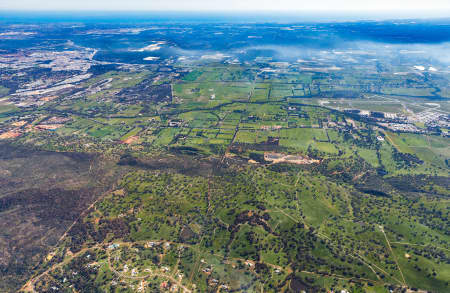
(198, 208)
(220, 231)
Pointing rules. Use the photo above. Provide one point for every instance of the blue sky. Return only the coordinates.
(441, 6)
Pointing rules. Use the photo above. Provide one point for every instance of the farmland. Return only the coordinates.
(200, 171)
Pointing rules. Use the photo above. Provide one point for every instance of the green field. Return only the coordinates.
(197, 203)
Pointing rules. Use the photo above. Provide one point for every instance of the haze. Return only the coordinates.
(443, 6)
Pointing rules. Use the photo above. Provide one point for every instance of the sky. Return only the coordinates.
(441, 7)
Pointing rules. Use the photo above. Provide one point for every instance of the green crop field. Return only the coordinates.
(211, 173)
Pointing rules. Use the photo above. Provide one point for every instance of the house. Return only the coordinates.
(175, 123)
(113, 246)
(164, 285)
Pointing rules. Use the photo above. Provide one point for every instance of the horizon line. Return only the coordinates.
(231, 10)
(253, 15)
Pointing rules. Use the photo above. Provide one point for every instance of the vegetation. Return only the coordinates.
(210, 176)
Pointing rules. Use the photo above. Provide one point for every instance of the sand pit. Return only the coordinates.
(292, 159)
(10, 134)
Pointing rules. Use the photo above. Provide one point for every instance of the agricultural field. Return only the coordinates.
(186, 164)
